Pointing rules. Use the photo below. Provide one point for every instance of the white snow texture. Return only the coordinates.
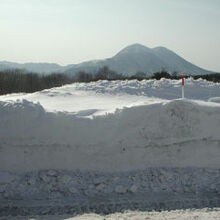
(143, 130)
(110, 146)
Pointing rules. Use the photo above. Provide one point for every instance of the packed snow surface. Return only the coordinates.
(200, 214)
(203, 214)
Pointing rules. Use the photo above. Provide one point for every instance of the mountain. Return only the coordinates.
(138, 58)
(33, 67)
(130, 60)
(176, 63)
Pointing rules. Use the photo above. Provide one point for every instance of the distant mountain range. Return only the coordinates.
(130, 60)
(33, 67)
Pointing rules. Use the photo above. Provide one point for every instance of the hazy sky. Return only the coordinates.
(71, 31)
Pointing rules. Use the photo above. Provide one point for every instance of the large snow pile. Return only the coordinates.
(179, 133)
(113, 140)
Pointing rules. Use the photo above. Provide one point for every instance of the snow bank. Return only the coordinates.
(201, 214)
(99, 98)
(179, 133)
(110, 146)
(188, 214)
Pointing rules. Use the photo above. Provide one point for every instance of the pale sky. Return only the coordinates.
(72, 31)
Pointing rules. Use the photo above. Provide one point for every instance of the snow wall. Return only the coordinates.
(180, 133)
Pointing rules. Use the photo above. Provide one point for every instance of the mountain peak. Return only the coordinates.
(134, 49)
(137, 46)
(160, 48)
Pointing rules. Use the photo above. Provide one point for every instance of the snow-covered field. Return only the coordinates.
(199, 214)
(99, 98)
(203, 214)
(110, 146)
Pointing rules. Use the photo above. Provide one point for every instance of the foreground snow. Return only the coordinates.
(110, 146)
(178, 133)
(145, 128)
(200, 214)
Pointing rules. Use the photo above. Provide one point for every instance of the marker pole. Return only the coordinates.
(183, 85)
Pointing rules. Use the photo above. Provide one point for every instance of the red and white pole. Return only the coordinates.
(183, 85)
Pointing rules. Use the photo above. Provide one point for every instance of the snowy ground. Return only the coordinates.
(200, 214)
(110, 146)
(99, 98)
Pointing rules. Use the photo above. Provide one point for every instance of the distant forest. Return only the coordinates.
(16, 80)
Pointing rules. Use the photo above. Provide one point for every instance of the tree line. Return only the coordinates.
(17, 80)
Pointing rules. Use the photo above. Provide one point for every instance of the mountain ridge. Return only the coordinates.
(128, 61)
